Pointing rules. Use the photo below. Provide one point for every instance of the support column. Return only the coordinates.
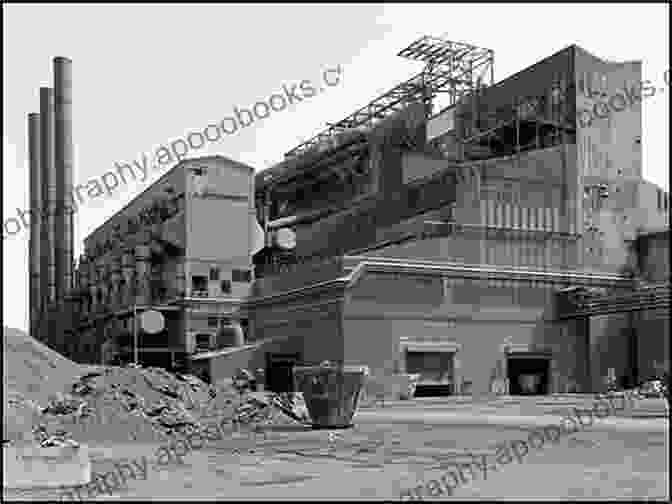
(633, 351)
(583, 329)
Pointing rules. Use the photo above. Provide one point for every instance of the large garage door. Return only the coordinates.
(435, 370)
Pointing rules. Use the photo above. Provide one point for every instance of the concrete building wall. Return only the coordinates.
(477, 320)
(219, 204)
(609, 135)
(609, 147)
(318, 327)
(312, 328)
(653, 336)
(609, 345)
(479, 344)
(654, 260)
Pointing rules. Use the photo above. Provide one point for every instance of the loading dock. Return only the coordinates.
(528, 373)
(436, 370)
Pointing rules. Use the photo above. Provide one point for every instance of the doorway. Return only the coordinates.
(280, 371)
(528, 374)
(435, 370)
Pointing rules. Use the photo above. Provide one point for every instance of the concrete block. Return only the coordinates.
(31, 466)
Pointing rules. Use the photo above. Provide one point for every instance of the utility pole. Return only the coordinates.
(135, 334)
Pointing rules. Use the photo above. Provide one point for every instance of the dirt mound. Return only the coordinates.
(135, 404)
(48, 396)
(32, 372)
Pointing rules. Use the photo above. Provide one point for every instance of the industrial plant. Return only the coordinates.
(493, 244)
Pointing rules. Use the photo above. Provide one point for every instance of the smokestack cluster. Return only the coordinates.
(50, 157)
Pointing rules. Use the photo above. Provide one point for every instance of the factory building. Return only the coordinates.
(182, 248)
(447, 242)
(439, 243)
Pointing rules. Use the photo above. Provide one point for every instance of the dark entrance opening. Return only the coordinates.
(528, 375)
(155, 359)
(280, 371)
(435, 370)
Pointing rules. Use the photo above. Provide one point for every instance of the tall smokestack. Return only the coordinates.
(63, 246)
(34, 245)
(48, 267)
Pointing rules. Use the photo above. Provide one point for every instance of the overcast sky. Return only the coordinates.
(146, 74)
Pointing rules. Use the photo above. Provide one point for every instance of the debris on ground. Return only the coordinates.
(108, 404)
(60, 438)
(262, 406)
(651, 389)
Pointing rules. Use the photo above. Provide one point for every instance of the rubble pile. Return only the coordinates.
(266, 407)
(272, 407)
(60, 438)
(152, 404)
(50, 399)
(32, 372)
(134, 403)
(658, 389)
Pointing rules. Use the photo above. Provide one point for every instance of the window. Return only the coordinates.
(225, 286)
(199, 283)
(241, 275)
(214, 273)
(212, 321)
(202, 341)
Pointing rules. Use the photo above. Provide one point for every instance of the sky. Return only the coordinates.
(144, 75)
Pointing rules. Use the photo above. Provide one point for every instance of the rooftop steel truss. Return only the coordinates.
(455, 68)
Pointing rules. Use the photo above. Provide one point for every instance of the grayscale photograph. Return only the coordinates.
(336, 251)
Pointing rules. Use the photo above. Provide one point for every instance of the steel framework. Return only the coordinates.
(647, 298)
(455, 68)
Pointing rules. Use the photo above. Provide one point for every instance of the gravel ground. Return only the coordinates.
(375, 461)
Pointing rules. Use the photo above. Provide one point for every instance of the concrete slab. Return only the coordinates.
(36, 467)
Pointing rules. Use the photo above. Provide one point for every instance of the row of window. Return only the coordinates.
(199, 283)
(236, 275)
